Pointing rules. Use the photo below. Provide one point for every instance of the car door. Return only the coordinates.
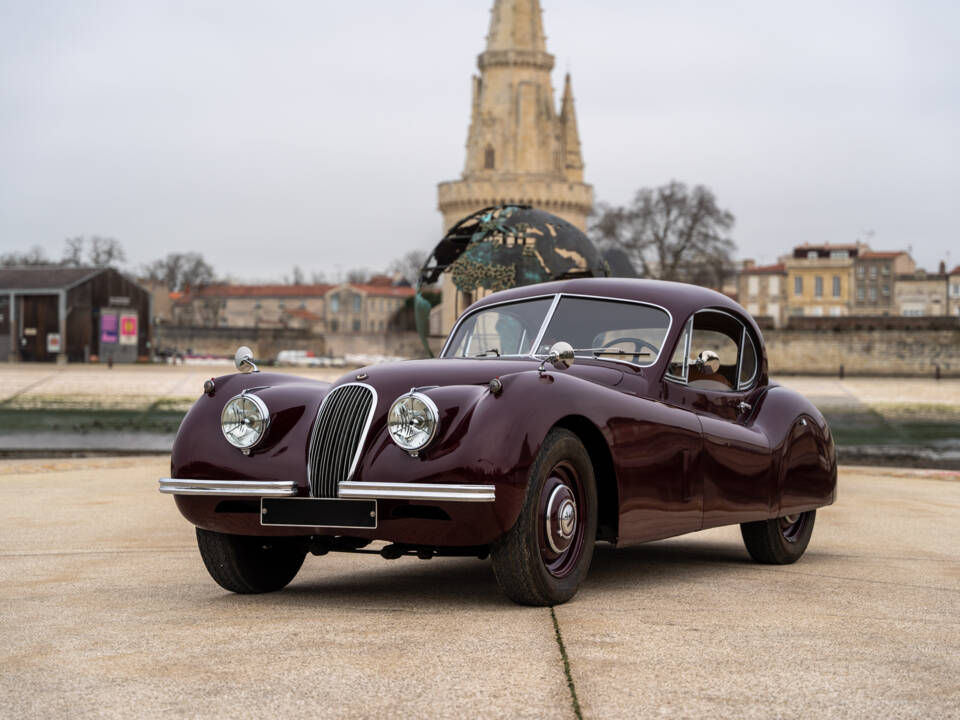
(714, 377)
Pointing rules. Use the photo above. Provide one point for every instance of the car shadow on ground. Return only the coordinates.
(470, 583)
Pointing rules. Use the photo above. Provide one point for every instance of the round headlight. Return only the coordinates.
(412, 421)
(244, 421)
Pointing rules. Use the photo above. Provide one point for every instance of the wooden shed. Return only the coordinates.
(53, 313)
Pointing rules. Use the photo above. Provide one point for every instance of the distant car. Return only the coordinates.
(556, 415)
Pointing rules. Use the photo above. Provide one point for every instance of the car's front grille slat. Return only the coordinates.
(338, 434)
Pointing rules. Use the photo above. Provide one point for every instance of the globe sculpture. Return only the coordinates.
(507, 246)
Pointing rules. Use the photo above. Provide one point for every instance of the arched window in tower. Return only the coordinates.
(489, 158)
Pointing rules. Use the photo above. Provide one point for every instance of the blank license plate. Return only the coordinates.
(318, 512)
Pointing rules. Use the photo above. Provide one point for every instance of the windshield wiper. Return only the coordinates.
(487, 352)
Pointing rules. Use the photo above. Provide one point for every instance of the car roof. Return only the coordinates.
(680, 299)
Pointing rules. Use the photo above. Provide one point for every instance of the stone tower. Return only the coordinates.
(519, 149)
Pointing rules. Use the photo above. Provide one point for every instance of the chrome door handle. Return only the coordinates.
(744, 407)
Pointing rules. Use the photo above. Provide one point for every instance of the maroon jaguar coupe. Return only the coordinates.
(557, 415)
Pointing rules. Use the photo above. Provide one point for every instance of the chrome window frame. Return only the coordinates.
(744, 334)
(549, 317)
(688, 334)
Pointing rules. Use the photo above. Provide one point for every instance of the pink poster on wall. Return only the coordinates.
(108, 327)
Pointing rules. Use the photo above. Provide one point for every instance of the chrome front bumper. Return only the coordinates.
(417, 491)
(352, 490)
(255, 488)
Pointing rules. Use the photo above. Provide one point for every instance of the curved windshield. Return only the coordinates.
(508, 329)
(608, 329)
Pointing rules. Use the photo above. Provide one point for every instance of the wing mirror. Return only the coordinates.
(243, 359)
(708, 362)
(560, 356)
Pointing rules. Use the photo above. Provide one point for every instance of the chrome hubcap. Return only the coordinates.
(560, 518)
(568, 518)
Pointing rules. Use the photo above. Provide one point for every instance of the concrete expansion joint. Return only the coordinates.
(574, 702)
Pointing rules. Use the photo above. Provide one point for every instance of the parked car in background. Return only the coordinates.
(557, 415)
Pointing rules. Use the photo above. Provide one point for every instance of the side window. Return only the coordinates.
(715, 353)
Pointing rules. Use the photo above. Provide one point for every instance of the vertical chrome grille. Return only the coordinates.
(338, 436)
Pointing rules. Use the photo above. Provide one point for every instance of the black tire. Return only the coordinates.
(779, 541)
(530, 568)
(245, 564)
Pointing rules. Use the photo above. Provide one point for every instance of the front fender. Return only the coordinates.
(201, 451)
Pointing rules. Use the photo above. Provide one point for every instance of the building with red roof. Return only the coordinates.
(373, 306)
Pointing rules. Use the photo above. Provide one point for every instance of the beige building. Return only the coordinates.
(519, 148)
(875, 277)
(820, 279)
(954, 291)
(920, 294)
(347, 307)
(762, 290)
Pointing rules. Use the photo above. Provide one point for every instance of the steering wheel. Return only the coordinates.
(637, 344)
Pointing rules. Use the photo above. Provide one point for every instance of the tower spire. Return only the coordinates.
(516, 25)
(572, 155)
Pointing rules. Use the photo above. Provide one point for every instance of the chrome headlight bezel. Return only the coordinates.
(262, 419)
(428, 409)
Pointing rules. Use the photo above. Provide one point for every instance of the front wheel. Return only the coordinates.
(779, 541)
(545, 556)
(246, 564)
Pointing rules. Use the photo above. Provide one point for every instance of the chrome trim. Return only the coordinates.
(271, 488)
(418, 491)
(688, 333)
(549, 316)
(543, 326)
(430, 405)
(360, 441)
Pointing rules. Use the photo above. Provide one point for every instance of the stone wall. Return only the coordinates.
(267, 342)
(906, 353)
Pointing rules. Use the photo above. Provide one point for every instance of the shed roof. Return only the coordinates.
(42, 277)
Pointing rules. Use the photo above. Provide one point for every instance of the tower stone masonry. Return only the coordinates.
(519, 149)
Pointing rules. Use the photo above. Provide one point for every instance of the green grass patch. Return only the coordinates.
(155, 419)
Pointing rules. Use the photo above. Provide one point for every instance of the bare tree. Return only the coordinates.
(670, 233)
(33, 256)
(357, 275)
(105, 252)
(73, 251)
(318, 277)
(96, 251)
(179, 271)
(409, 265)
(297, 277)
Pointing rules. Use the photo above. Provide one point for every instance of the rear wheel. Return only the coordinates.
(779, 541)
(545, 556)
(246, 564)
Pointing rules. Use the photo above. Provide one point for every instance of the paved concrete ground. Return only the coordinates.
(107, 611)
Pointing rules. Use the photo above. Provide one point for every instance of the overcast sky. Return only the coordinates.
(314, 133)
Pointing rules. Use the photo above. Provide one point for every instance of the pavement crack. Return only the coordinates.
(566, 667)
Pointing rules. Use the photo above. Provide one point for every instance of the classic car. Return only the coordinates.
(556, 415)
